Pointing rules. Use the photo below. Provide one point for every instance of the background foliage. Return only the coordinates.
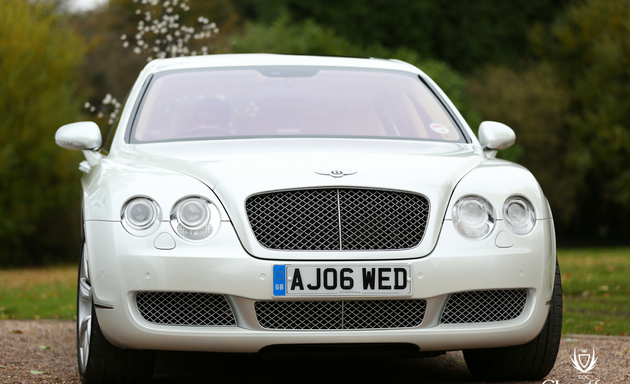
(557, 72)
(588, 48)
(39, 59)
(536, 107)
(465, 34)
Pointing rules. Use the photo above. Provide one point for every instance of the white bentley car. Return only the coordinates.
(269, 203)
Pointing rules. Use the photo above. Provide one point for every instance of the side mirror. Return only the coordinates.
(82, 135)
(494, 136)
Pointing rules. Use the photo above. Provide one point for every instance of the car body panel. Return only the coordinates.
(224, 268)
(236, 169)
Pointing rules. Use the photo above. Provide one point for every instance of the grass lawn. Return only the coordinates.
(38, 293)
(596, 290)
(595, 282)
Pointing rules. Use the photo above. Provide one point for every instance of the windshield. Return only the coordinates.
(289, 102)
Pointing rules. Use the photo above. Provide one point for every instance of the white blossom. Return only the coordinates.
(161, 36)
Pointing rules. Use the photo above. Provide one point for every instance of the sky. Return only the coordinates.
(84, 5)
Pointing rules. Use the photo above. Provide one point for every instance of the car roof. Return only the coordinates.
(265, 59)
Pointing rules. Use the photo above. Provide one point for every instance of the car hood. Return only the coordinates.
(237, 169)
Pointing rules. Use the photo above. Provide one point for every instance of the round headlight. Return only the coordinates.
(193, 213)
(473, 217)
(141, 216)
(195, 218)
(518, 214)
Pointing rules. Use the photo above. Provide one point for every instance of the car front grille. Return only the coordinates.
(182, 308)
(484, 306)
(338, 315)
(338, 219)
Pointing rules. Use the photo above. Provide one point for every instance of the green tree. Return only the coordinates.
(589, 48)
(39, 58)
(462, 33)
(533, 104)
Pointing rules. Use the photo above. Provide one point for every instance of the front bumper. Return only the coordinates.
(122, 265)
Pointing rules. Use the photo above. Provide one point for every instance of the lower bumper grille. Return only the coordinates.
(484, 306)
(183, 308)
(337, 315)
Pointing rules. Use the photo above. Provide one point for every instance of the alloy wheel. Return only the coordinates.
(84, 312)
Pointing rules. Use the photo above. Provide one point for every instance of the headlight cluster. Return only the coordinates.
(518, 214)
(141, 216)
(192, 218)
(474, 217)
(195, 218)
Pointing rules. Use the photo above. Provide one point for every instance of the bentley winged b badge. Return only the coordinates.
(336, 173)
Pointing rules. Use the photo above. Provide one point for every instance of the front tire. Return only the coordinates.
(99, 361)
(531, 361)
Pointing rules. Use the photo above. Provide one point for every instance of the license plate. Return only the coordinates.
(345, 280)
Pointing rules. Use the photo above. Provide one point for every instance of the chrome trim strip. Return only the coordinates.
(339, 221)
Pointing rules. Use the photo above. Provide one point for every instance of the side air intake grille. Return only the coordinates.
(181, 308)
(346, 314)
(484, 306)
(339, 219)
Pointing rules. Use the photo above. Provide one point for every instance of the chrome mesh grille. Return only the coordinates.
(346, 314)
(484, 306)
(182, 308)
(338, 219)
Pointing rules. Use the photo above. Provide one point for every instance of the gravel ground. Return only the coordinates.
(28, 347)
